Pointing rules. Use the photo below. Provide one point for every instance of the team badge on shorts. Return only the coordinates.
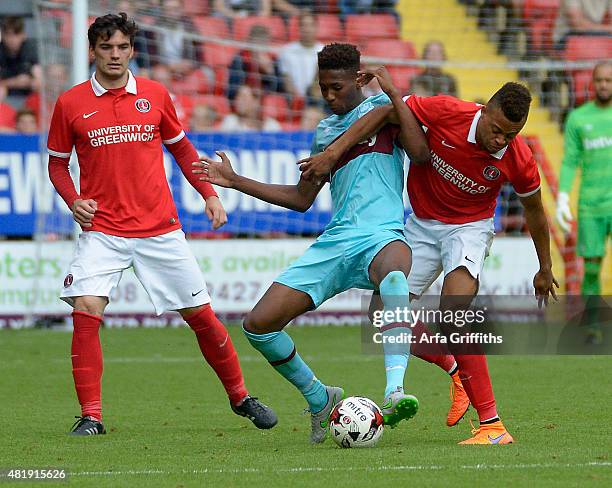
(68, 280)
(143, 105)
(491, 173)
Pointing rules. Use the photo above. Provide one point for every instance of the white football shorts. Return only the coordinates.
(165, 265)
(438, 247)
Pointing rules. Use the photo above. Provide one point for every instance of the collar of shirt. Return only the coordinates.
(472, 136)
(99, 90)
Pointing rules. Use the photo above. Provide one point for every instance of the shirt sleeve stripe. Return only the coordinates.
(528, 194)
(175, 139)
(58, 154)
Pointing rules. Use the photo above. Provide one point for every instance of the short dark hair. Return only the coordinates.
(339, 56)
(13, 24)
(513, 99)
(104, 27)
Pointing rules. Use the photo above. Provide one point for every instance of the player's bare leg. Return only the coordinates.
(388, 272)
(458, 291)
(218, 350)
(263, 327)
(87, 363)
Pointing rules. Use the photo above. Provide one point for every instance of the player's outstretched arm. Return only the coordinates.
(544, 282)
(411, 136)
(294, 197)
(321, 164)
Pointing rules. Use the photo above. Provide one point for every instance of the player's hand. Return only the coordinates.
(215, 212)
(382, 76)
(544, 284)
(83, 211)
(317, 167)
(564, 213)
(216, 172)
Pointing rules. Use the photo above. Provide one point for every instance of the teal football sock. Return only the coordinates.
(394, 292)
(278, 348)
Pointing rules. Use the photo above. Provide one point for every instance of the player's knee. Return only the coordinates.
(254, 324)
(90, 305)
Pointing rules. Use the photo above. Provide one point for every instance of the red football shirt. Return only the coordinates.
(461, 182)
(118, 135)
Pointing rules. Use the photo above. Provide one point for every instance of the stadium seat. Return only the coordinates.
(65, 36)
(219, 57)
(212, 27)
(402, 75)
(389, 48)
(219, 103)
(371, 26)
(276, 26)
(193, 8)
(275, 105)
(194, 82)
(580, 48)
(329, 28)
(540, 16)
(588, 47)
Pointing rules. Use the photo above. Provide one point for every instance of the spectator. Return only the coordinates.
(242, 8)
(171, 46)
(7, 113)
(257, 68)
(247, 114)
(18, 59)
(203, 118)
(311, 116)
(183, 104)
(56, 81)
(433, 78)
(298, 60)
(349, 7)
(582, 17)
(26, 122)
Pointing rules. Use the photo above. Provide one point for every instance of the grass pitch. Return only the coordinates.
(170, 424)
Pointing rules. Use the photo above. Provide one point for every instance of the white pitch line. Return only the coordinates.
(316, 469)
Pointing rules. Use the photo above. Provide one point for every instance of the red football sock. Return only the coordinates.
(87, 362)
(474, 375)
(431, 352)
(218, 350)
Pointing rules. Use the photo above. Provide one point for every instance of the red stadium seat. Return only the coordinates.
(219, 103)
(329, 28)
(389, 48)
(192, 8)
(218, 54)
(371, 26)
(276, 26)
(275, 105)
(402, 75)
(540, 16)
(194, 82)
(588, 47)
(580, 48)
(212, 27)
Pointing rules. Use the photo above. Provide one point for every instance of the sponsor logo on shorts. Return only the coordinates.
(491, 173)
(143, 105)
(68, 280)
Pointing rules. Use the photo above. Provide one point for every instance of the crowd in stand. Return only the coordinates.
(269, 81)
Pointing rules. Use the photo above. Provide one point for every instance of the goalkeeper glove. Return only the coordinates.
(564, 213)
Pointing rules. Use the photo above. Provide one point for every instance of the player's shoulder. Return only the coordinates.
(584, 110)
(76, 96)
(519, 151)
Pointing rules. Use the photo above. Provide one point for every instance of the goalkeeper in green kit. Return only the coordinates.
(588, 146)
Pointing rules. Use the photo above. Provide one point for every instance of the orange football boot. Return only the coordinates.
(494, 433)
(460, 400)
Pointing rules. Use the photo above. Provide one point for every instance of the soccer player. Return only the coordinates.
(474, 150)
(588, 145)
(117, 124)
(362, 247)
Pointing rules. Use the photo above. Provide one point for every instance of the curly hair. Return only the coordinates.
(339, 56)
(513, 99)
(104, 27)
